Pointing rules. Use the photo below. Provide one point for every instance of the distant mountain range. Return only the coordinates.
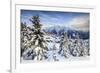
(58, 30)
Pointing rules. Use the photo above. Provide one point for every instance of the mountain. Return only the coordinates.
(82, 34)
(58, 30)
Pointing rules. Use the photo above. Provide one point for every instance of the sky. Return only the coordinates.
(74, 20)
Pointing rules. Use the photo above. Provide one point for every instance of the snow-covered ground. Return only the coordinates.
(53, 44)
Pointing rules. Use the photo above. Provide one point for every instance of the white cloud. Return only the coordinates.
(80, 23)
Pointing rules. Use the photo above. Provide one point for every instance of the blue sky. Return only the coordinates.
(54, 18)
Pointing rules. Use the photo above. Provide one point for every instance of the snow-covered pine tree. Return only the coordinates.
(26, 36)
(54, 50)
(38, 43)
(64, 45)
(23, 37)
(79, 46)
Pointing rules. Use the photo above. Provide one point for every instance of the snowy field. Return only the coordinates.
(53, 44)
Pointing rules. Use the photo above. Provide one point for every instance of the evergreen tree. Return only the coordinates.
(79, 46)
(54, 53)
(23, 35)
(38, 43)
(64, 50)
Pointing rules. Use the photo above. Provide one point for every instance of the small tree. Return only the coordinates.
(79, 46)
(54, 53)
(64, 45)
